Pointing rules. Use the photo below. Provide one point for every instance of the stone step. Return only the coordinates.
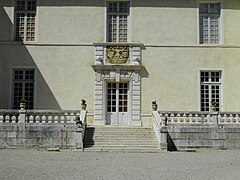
(120, 144)
(120, 139)
(135, 129)
(99, 139)
(123, 146)
(116, 136)
(129, 150)
(123, 142)
(119, 132)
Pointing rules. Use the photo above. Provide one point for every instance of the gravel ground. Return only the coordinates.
(203, 164)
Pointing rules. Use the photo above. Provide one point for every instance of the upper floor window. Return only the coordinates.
(209, 14)
(25, 13)
(117, 21)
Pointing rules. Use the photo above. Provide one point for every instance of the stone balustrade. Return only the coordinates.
(229, 118)
(49, 116)
(42, 128)
(179, 130)
(38, 116)
(9, 116)
(177, 117)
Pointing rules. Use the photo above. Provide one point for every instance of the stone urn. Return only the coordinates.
(23, 104)
(84, 105)
(154, 106)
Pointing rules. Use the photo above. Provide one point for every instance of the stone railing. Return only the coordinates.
(38, 116)
(50, 116)
(9, 116)
(229, 118)
(43, 128)
(159, 126)
(177, 129)
(177, 117)
(201, 118)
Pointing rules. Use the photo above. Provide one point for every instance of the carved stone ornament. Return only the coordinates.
(117, 54)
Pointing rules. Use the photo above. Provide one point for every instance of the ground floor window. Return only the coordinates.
(23, 87)
(210, 88)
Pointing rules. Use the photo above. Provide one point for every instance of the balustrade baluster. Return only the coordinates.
(56, 119)
(183, 119)
(44, 119)
(7, 119)
(1, 119)
(31, 119)
(199, 119)
(38, 119)
(62, 119)
(14, 119)
(50, 119)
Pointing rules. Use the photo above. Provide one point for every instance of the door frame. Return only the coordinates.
(105, 82)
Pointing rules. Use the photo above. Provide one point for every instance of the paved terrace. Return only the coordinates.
(203, 164)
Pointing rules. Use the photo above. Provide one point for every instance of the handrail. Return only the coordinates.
(157, 124)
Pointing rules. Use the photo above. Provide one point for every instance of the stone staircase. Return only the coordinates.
(120, 139)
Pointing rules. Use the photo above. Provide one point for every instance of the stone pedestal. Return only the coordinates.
(79, 138)
(163, 138)
(214, 118)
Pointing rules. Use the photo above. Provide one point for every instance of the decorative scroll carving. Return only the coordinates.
(117, 54)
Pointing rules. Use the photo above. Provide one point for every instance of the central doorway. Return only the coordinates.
(117, 103)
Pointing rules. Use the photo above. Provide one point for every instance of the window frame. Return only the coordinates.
(107, 33)
(24, 81)
(25, 11)
(209, 83)
(220, 22)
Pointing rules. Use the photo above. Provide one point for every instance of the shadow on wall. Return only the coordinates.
(17, 56)
(170, 144)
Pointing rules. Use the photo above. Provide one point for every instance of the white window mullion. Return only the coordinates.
(117, 97)
(210, 96)
(117, 29)
(25, 26)
(209, 30)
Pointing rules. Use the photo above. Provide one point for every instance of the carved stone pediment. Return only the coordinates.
(117, 54)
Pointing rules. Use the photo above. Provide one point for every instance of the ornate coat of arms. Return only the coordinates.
(117, 55)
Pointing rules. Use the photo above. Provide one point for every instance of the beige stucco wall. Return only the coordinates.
(176, 70)
(78, 24)
(158, 22)
(231, 18)
(172, 56)
(63, 74)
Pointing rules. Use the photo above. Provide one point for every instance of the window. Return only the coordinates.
(25, 13)
(209, 14)
(210, 90)
(23, 87)
(117, 14)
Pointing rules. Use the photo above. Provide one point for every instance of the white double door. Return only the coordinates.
(117, 103)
